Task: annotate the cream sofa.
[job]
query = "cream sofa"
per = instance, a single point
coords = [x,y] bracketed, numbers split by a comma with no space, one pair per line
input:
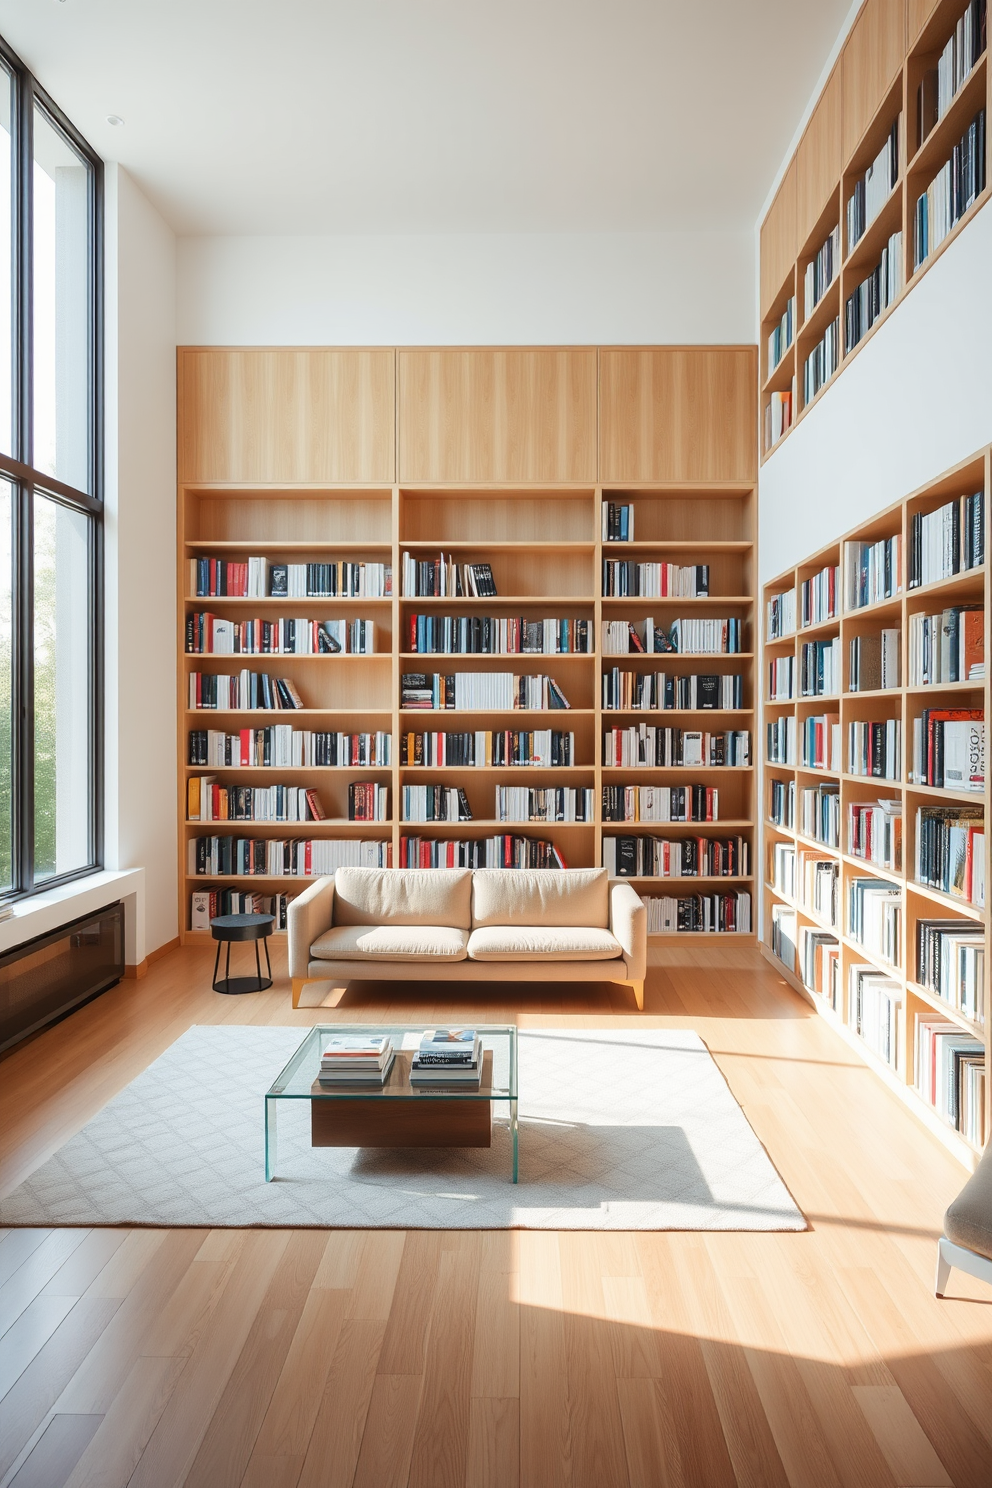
[464,924]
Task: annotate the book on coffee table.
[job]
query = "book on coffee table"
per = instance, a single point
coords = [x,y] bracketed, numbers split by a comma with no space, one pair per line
[448,1056]
[356,1060]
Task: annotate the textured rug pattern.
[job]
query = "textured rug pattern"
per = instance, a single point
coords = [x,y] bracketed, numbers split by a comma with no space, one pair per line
[619,1130]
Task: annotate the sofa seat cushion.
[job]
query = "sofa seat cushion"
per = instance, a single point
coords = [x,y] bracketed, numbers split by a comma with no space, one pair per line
[391,943]
[968,1221]
[542,943]
[540,896]
[403,896]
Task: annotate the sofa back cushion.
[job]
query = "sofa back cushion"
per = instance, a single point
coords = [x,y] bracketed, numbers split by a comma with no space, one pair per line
[403,896]
[540,896]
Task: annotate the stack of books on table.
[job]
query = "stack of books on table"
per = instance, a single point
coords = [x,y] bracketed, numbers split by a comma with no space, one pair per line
[448,1056]
[356,1059]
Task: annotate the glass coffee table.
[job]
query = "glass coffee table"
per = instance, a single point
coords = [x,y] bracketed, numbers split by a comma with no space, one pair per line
[399,1114]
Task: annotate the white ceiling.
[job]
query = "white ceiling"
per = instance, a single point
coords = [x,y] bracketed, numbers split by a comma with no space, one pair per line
[391,116]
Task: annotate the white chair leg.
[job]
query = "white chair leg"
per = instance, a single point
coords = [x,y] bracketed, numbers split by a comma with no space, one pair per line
[962,1259]
[943,1269]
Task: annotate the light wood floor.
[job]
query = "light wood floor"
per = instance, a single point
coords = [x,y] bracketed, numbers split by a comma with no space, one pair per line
[281,1359]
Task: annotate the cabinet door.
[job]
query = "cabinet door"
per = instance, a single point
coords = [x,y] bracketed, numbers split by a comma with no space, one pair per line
[778,240]
[872,56]
[487,414]
[819,159]
[301,415]
[679,413]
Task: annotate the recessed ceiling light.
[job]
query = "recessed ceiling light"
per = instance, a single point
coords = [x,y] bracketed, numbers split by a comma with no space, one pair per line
[114,119]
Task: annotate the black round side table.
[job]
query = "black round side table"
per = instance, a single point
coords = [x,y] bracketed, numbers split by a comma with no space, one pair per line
[228,928]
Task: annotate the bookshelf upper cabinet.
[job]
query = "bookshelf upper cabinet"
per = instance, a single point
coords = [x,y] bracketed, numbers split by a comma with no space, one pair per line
[672,414]
[918,12]
[778,239]
[818,162]
[480,414]
[872,57]
[307,415]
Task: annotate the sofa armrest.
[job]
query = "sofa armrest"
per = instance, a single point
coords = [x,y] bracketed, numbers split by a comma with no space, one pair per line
[629,922]
[308,915]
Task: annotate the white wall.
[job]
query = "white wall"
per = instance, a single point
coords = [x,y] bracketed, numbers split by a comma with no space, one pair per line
[141,550]
[915,401]
[451,290]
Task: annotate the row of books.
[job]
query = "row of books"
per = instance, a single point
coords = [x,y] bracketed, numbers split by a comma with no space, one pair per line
[780,413]
[427,803]
[819,963]
[618,521]
[820,272]
[644,744]
[782,803]
[806,878]
[541,748]
[498,635]
[950,1075]
[947,541]
[949,749]
[780,615]
[875,748]
[210,635]
[272,857]
[280,746]
[451,1057]
[874,917]
[822,362]
[950,962]
[820,668]
[356,1059]
[661,803]
[820,595]
[783,934]
[234,692]
[949,647]
[680,857]
[208,801]
[503,851]
[207,904]
[781,679]
[875,1011]
[780,740]
[707,636]
[950,851]
[872,571]
[873,189]
[874,832]
[257,578]
[782,335]
[368,801]
[873,661]
[819,742]
[624,579]
[516,803]
[480,692]
[441,578]
[819,814]
[695,914]
[876,292]
[955,188]
[662,691]
[939,85]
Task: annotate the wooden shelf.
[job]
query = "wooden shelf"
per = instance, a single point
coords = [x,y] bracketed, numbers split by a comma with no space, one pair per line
[918,901]
[540,527]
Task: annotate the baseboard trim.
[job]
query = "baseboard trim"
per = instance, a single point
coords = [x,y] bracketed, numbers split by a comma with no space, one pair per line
[163,950]
[135,973]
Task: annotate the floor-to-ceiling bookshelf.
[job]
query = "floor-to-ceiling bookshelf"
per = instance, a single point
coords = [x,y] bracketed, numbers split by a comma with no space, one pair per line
[893,47]
[543,540]
[903,701]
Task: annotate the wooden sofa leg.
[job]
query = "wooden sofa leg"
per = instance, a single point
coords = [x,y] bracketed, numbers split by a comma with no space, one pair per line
[298,984]
[638,988]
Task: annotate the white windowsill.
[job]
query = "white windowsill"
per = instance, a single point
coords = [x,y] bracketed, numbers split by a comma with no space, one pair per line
[44,912]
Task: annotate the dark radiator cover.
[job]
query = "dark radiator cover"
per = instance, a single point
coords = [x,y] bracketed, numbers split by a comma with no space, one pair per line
[52,974]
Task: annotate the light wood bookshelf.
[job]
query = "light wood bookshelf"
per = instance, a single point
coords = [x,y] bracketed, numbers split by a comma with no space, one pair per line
[540,530]
[874,82]
[905,702]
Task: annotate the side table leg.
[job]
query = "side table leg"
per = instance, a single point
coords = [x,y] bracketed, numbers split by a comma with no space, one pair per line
[513,1133]
[270,1137]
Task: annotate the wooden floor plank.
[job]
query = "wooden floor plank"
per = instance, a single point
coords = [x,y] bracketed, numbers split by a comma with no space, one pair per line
[85,1264]
[119,1441]
[493,1443]
[35,1272]
[440,1441]
[408,1323]
[64,1441]
[336,1439]
[387,1443]
[912,1459]
[24,1339]
[545,1439]
[289,1420]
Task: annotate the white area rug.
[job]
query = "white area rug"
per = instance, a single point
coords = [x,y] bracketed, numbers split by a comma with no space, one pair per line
[619,1130]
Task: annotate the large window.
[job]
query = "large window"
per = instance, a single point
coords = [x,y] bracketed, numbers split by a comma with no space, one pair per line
[51,516]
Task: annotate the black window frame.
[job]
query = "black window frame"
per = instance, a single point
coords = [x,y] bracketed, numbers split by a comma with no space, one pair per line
[26,481]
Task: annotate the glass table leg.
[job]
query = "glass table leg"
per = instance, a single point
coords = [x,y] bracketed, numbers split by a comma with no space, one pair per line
[270,1137]
[513,1132]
